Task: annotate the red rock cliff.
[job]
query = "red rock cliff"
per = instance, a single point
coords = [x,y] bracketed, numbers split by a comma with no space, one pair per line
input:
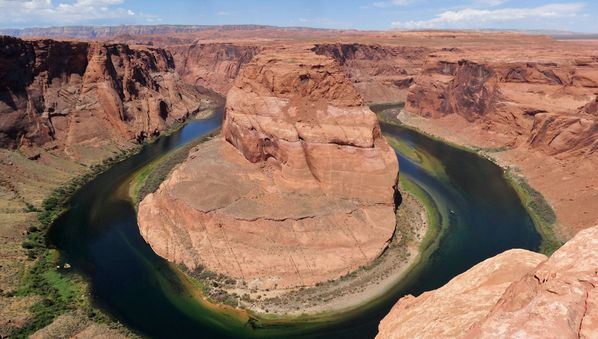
[550,105]
[381,73]
[211,65]
[72,93]
[301,111]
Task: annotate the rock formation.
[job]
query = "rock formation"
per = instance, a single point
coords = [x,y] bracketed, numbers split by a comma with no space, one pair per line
[299,189]
[514,294]
[539,101]
[381,73]
[211,65]
[73,95]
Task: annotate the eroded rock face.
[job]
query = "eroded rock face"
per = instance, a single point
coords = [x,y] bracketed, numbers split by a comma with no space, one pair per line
[68,94]
[381,73]
[514,294]
[551,105]
[211,65]
[299,189]
[310,119]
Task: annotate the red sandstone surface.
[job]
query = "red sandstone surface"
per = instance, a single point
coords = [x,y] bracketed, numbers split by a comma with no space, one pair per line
[528,101]
[76,96]
[212,65]
[515,294]
[299,189]
[65,106]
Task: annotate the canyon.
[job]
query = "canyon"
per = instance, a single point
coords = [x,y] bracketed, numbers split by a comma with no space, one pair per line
[306,182]
[296,131]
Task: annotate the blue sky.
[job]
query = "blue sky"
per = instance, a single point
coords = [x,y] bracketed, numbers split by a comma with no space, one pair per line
[579,16]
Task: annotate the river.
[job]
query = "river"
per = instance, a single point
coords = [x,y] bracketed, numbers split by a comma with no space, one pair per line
[480,212]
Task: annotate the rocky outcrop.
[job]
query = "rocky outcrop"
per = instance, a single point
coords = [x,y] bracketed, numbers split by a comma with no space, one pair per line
[514,294]
[381,73]
[67,95]
[472,92]
[211,65]
[299,189]
[559,133]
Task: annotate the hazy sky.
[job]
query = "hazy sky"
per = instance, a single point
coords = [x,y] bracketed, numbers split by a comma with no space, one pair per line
[579,16]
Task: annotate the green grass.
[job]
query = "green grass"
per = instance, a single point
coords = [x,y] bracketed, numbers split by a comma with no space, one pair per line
[59,293]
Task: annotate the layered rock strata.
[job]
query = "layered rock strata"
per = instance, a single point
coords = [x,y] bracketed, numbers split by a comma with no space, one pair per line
[299,189]
[381,73]
[514,294]
[211,65]
[547,106]
[67,95]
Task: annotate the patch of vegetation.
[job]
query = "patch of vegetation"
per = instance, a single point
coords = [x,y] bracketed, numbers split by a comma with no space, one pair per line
[493,149]
[57,203]
[432,212]
[61,290]
[214,285]
[542,214]
[58,294]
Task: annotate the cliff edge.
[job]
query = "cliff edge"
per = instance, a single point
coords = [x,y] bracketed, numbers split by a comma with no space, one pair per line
[517,293]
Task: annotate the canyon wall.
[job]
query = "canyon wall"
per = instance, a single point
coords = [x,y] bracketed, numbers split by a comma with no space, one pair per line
[381,73]
[74,95]
[528,102]
[532,108]
[546,105]
[298,190]
[517,293]
[211,65]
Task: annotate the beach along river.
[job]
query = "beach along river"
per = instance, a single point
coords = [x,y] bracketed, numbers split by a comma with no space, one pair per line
[477,212]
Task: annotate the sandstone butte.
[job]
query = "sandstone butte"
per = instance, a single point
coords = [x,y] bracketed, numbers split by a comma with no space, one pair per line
[516,294]
[299,188]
